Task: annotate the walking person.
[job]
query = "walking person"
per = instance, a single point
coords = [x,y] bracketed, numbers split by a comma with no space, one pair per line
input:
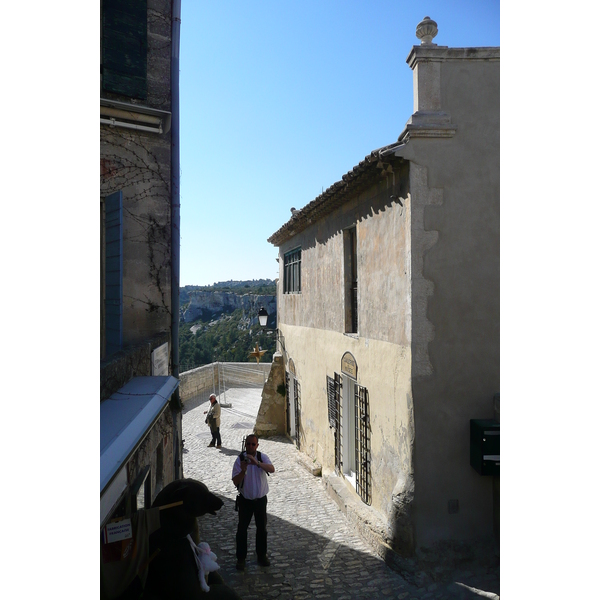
[249,475]
[213,419]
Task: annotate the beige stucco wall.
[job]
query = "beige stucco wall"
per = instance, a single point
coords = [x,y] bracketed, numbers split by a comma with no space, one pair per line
[318,353]
[428,293]
[313,326]
[455,192]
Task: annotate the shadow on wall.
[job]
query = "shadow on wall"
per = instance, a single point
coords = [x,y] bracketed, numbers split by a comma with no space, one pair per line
[379,202]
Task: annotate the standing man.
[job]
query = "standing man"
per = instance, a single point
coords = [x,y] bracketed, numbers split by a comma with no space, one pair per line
[213,418]
[249,475]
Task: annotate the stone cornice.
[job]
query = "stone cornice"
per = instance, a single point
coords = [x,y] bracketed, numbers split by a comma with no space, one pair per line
[432,52]
[428,124]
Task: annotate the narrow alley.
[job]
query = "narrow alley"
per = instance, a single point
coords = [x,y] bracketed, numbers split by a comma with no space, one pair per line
[313,550]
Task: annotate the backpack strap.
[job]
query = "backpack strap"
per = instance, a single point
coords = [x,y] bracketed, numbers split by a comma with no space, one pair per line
[259,457]
[241,456]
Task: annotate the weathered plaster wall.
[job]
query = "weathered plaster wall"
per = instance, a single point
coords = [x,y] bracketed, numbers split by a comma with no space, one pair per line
[384,369]
[455,187]
[313,327]
[383,254]
[428,278]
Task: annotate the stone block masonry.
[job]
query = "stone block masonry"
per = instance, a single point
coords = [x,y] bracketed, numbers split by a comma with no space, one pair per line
[271,414]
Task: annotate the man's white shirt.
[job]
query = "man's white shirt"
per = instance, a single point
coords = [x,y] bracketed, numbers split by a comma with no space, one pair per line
[255,481]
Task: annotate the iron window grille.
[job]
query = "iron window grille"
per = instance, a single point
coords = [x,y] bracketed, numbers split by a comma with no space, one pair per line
[293,399]
[362,426]
[362,433]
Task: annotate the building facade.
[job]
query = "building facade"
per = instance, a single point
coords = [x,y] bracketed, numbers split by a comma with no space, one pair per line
[140,411]
[388,306]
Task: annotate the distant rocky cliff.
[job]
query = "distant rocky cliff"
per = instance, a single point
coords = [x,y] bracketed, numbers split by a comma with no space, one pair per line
[205,305]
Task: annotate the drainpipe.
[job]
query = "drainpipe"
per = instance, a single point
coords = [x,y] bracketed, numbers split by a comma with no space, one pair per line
[175,236]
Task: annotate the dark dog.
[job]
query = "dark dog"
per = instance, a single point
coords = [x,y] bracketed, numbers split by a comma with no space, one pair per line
[180,521]
[172,573]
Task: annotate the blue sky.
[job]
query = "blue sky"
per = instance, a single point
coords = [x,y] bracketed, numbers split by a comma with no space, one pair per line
[279,100]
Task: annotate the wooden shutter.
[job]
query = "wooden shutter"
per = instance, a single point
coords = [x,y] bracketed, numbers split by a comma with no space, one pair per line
[113,272]
[331,402]
[297,410]
[288,421]
[337,410]
[124,47]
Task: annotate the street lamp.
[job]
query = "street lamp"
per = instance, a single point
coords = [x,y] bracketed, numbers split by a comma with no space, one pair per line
[263,316]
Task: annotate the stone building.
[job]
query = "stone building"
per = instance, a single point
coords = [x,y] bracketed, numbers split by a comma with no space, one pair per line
[388,308]
[140,413]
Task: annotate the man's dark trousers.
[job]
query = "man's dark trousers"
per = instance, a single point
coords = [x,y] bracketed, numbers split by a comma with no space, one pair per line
[216,435]
[247,508]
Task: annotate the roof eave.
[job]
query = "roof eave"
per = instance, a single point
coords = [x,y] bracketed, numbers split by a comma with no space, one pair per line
[336,194]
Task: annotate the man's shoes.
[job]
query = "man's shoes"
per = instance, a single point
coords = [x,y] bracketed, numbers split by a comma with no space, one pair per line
[218,445]
[263,561]
[240,565]
[211,445]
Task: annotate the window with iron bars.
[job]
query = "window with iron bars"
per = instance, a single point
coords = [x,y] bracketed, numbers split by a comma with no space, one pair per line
[362,433]
[294,407]
[292,280]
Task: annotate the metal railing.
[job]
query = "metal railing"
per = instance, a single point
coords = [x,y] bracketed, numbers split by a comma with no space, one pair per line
[217,378]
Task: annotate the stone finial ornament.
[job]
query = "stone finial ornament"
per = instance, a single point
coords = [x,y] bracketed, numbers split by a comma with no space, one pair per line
[427,30]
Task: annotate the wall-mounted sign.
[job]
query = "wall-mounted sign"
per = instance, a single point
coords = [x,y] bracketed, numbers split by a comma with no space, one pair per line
[160,360]
[115,532]
[349,366]
[292,367]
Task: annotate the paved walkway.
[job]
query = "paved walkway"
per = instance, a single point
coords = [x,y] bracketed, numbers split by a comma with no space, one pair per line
[313,550]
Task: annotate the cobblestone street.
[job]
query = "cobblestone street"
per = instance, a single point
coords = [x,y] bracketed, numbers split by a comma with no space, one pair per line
[313,550]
